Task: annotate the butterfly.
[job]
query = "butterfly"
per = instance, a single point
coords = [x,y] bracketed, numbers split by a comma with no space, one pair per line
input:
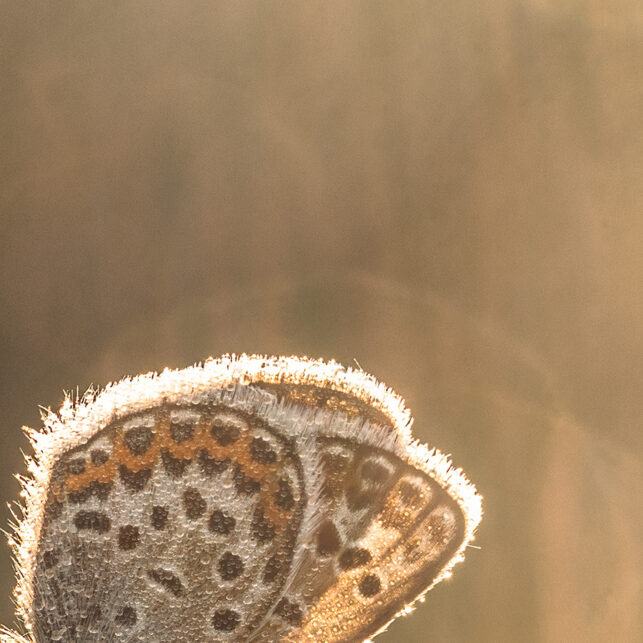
[247,498]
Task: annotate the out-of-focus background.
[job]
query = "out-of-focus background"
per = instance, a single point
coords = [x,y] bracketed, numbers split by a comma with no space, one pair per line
[447,191]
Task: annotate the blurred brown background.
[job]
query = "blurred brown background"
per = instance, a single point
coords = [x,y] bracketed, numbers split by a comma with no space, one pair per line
[447,191]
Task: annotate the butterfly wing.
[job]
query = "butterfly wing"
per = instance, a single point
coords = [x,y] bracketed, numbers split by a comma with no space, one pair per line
[393,519]
[389,532]
[248,499]
[178,523]
[398,530]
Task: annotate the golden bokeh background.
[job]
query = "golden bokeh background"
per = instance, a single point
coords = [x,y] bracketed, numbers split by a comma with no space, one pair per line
[447,191]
